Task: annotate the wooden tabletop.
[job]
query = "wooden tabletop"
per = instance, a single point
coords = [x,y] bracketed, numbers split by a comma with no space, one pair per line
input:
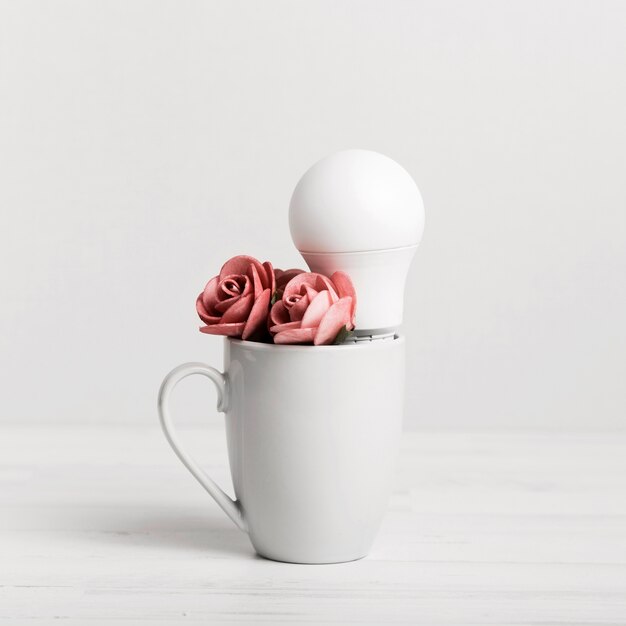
[99,525]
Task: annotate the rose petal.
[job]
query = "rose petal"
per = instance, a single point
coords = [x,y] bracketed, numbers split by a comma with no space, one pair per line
[204,314]
[279,313]
[297,310]
[323,282]
[229,330]
[271,279]
[223,306]
[310,292]
[286,275]
[239,311]
[209,295]
[316,310]
[256,281]
[258,314]
[345,288]
[239,265]
[337,316]
[298,335]
[279,328]
[344,284]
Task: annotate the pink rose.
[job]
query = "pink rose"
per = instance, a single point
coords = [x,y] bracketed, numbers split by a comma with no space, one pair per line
[313,308]
[236,302]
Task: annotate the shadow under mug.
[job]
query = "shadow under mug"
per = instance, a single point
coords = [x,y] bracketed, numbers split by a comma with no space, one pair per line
[312,436]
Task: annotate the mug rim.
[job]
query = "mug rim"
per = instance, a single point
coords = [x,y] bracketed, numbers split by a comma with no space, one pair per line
[398,339]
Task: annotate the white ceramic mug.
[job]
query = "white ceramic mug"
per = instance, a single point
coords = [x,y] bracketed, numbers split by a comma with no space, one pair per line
[312,439]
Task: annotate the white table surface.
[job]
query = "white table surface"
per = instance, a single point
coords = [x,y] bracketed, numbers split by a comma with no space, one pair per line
[99,525]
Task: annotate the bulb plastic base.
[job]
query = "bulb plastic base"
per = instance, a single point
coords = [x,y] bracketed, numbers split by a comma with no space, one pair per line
[379,277]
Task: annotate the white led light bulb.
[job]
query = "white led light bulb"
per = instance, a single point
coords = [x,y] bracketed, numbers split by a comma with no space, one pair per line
[360,212]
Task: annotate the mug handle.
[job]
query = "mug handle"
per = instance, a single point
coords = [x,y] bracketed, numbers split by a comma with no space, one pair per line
[231,507]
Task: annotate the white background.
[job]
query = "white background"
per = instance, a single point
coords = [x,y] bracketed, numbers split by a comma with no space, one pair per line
[143,143]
